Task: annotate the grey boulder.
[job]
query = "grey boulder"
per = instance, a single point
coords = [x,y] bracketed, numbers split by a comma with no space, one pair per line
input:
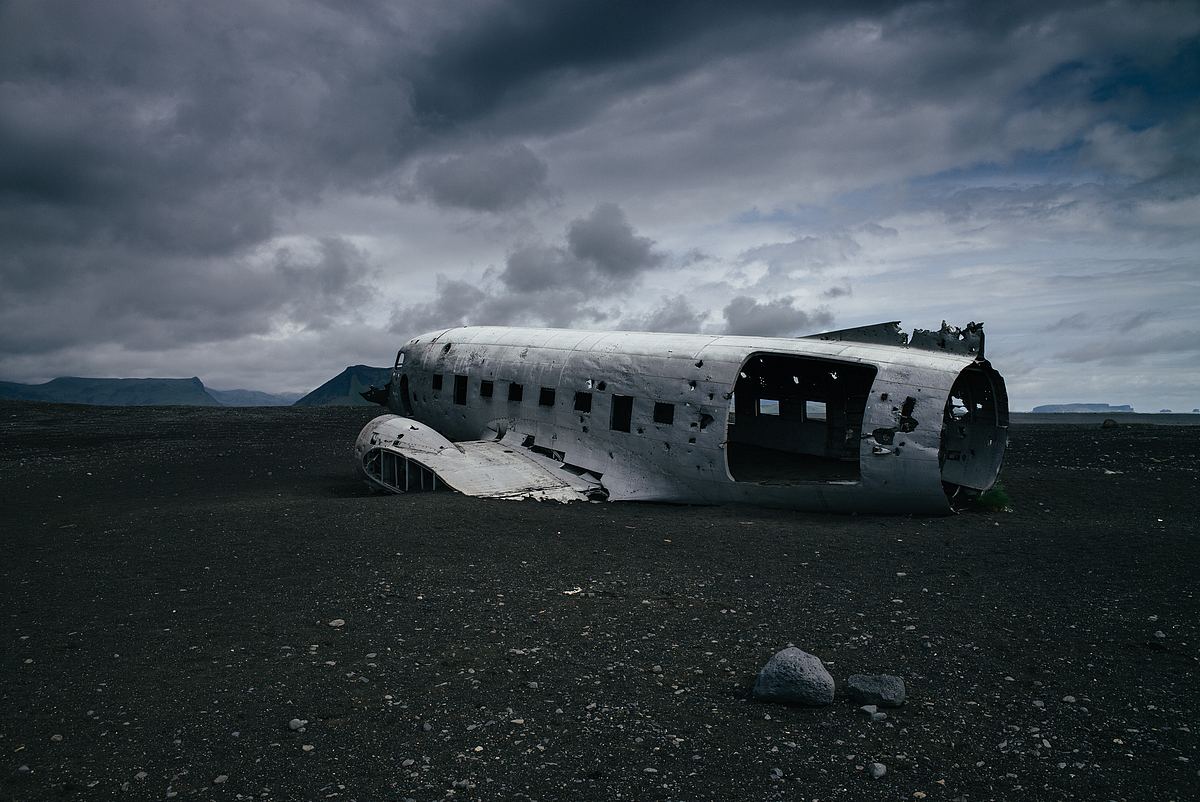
[884,690]
[795,677]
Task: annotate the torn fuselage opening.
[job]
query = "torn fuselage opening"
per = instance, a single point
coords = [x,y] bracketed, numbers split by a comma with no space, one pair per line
[796,419]
[974,430]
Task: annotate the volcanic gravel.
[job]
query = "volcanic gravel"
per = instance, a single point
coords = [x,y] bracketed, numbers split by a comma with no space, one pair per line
[207,603]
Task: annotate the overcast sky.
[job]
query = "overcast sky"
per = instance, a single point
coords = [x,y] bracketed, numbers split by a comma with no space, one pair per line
[263,193]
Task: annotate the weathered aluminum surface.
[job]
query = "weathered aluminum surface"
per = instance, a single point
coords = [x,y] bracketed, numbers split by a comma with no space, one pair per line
[901,451]
[476,468]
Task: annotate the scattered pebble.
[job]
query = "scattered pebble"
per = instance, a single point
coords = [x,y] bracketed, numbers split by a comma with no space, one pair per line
[297,724]
[308,747]
[876,770]
[221,779]
[338,622]
[1069,699]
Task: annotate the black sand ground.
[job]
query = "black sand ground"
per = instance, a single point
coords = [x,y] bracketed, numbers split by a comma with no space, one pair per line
[168,576]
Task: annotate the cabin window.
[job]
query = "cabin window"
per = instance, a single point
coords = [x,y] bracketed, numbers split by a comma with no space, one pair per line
[437,381]
[460,390]
[622,413]
[583,402]
[664,413]
[546,397]
[768,406]
[797,419]
[485,388]
[515,392]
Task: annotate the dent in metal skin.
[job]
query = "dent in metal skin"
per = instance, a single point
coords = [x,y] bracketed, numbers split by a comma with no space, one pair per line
[848,421]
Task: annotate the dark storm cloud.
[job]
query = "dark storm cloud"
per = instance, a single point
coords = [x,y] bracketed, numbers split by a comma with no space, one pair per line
[489,180]
[545,284]
[777,318]
[118,297]
[674,314]
[601,252]
[148,152]
[195,172]
[511,51]
[606,239]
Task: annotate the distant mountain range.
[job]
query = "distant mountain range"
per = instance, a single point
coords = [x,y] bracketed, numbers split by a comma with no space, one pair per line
[253,398]
[1083,408]
[113,392]
[342,390]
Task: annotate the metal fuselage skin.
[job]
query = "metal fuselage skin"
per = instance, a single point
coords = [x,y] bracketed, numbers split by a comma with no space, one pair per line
[900,440]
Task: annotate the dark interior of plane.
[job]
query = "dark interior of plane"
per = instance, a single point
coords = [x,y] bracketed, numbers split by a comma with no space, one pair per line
[797,419]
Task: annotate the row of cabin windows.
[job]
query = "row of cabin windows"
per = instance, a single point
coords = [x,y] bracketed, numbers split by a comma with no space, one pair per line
[621,417]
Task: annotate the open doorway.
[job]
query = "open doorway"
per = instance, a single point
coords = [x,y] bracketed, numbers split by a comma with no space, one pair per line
[795,419]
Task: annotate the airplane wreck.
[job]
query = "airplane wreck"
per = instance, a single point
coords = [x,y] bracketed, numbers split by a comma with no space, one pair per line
[868,419]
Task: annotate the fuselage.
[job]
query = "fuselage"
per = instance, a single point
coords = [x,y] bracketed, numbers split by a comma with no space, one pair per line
[802,423]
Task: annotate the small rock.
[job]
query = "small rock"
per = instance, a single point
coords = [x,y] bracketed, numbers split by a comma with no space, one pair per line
[1158,633]
[56,738]
[408,762]
[877,689]
[656,669]
[338,622]
[869,709]
[297,723]
[220,779]
[880,716]
[23,769]
[794,676]
[308,747]
[427,727]
[876,770]
[1069,699]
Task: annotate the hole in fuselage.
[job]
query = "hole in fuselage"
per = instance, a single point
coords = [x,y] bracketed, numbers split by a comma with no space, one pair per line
[796,419]
[974,430]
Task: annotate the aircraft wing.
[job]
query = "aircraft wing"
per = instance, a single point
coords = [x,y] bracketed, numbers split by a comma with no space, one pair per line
[400,455]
